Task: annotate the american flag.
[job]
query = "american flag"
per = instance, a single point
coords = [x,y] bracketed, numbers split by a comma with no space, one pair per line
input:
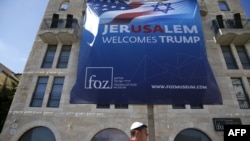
[119,11]
[101,6]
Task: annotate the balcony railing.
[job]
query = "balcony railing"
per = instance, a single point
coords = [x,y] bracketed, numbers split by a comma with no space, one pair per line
[61,32]
[227,31]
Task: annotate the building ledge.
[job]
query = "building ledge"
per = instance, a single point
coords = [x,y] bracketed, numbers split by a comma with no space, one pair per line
[230,34]
[59,34]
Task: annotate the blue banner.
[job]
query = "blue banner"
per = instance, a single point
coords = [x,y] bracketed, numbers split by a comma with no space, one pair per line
[143,53]
[245,4]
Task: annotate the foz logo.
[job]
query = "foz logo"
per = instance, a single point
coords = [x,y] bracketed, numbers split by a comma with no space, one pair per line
[99,78]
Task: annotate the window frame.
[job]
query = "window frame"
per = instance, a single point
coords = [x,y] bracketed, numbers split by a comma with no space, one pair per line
[178,106]
[244,58]
[36,133]
[64,6]
[102,106]
[121,106]
[228,57]
[223,6]
[196,106]
[56,92]
[39,92]
[63,59]
[49,56]
[241,94]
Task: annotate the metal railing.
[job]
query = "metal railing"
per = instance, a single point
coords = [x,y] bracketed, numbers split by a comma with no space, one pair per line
[230,24]
[61,24]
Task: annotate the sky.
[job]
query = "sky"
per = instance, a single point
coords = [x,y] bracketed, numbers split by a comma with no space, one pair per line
[19,23]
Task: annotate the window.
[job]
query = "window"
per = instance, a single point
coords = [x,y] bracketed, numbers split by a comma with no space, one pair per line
[38,95]
[228,56]
[178,106]
[237,21]
[54,22]
[64,57]
[196,106]
[220,21]
[223,6]
[110,134]
[243,57]
[49,56]
[102,106]
[121,106]
[71,22]
[56,92]
[191,135]
[240,93]
[64,6]
[38,134]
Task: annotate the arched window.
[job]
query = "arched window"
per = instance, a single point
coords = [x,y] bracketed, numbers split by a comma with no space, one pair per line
[191,135]
[110,134]
[38,134]
[64,6]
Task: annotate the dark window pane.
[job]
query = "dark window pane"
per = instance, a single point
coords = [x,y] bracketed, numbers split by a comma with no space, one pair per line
[121,106]
[56,92]
[110,135]
[64,57]
[102,106]
[241,95]
[191,135]
[54,21]
[49,56]
[196,106]
[37,98]
[243,57]
[178,106]
[223,6]
[38,134]
[228,56]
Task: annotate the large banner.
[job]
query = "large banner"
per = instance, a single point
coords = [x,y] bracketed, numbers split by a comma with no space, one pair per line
[143,53]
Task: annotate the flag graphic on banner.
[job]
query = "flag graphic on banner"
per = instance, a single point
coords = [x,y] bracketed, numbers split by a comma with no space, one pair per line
[119,11]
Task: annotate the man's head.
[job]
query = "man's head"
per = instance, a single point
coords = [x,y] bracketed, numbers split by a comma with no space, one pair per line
[139,131]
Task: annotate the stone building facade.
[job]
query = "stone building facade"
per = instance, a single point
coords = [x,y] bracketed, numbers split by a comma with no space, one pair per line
[7,77]
[41,104]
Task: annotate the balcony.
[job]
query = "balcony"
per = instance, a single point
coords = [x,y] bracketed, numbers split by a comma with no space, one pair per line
[60,32]
[231,31]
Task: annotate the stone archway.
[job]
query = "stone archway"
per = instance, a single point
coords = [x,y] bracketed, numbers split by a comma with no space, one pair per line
[110,134]
[39,133]
[191,135]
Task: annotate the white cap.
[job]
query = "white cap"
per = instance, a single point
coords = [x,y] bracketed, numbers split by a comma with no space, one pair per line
[136,125]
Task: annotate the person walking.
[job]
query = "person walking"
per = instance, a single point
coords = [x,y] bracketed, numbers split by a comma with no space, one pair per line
[138,131]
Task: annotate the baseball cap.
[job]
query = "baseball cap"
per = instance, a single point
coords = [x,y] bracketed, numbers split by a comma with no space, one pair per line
[137,124]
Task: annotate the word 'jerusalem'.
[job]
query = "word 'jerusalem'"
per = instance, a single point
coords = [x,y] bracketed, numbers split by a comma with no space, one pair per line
[166,34]
[150,29]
